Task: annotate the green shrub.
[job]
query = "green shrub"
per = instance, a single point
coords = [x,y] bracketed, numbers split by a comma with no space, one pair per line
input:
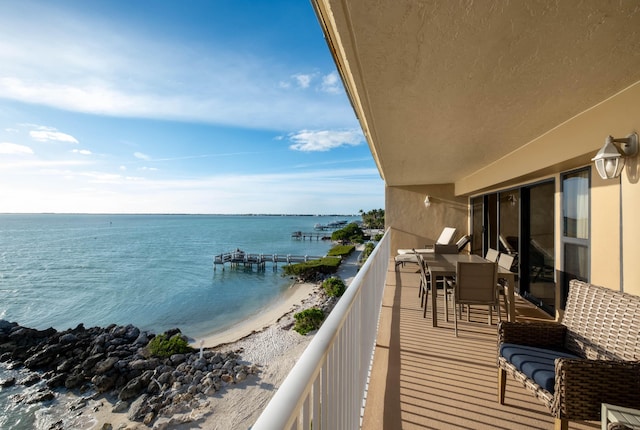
[334,287]
[308,320]
[309,271]
[161,346]
[341,250]
[350,233]
[368,249]
[378,237]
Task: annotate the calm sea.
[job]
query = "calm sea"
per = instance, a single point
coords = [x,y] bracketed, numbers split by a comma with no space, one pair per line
[153,271]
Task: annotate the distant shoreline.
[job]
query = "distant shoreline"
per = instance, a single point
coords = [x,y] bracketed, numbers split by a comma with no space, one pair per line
[175,214]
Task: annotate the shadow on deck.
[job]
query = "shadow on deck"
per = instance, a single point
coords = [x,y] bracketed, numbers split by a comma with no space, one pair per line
[426,378]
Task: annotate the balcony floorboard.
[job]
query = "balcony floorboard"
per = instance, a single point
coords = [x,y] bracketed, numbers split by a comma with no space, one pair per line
[426,378]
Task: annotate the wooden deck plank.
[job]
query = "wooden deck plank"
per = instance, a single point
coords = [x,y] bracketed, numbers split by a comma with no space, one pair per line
[426,378]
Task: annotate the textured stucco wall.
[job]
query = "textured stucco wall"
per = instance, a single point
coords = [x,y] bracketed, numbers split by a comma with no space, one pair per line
[415,225]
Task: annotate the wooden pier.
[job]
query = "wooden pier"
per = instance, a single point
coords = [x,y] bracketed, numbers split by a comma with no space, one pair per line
[317,235]
[241,258]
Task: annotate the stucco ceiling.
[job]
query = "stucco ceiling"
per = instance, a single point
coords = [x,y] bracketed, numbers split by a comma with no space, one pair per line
[442,84]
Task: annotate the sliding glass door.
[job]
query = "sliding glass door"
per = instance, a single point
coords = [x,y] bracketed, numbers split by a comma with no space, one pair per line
[538,283]
[575,228]
[520,222]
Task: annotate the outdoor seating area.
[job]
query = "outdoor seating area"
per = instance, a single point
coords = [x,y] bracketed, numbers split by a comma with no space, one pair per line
[423,377]
[591,358]
[443,269]
[443,245]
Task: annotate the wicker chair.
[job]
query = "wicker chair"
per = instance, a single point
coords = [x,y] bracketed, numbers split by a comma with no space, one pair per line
[592,357]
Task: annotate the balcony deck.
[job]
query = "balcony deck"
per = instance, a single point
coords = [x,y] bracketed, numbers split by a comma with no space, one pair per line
[426,378]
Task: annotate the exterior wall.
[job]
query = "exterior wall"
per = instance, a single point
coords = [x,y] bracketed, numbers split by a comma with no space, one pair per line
[605,231]
[631,226]
[615,204]
[415,225]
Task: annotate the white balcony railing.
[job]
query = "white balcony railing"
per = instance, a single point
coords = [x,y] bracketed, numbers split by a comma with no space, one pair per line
[327,386]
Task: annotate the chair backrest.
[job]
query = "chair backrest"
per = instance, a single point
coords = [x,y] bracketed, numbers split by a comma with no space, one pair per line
[506,245]
[446,237]
[476,282]
[506,261]
[423,268]
[492,255]
[602,323]
[462,242]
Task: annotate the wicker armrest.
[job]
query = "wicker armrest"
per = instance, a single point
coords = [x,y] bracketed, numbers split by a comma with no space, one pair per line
[582,385]
[544,335]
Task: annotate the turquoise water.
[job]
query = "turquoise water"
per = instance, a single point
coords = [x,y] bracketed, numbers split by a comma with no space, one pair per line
[152,271]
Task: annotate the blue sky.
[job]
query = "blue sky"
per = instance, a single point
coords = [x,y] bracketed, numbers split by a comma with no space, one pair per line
[176,107]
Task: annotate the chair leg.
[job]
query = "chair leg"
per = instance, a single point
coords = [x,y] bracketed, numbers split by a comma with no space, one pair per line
[425,296]
[455,313]
[490,314]
[446,303]
[561,424]
[502,385]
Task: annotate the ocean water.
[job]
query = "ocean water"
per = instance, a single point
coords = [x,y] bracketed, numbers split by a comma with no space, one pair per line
[153,271]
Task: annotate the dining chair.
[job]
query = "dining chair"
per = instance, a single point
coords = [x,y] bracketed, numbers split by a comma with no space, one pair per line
[492,255]
[425,284]
[475,284]
[506,262]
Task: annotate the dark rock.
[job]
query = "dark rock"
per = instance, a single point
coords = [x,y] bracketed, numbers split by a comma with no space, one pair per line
[120,406]
[30,379]
[41,396]
[43,358]
[57,380]
[132,389]
[91,362]
[68,338]
[7,382]
[104,383]
[105,365]
[144,364]
[75,380]
[178,359]
[138,408]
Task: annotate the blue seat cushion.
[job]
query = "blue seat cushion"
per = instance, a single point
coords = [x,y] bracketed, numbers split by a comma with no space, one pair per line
[536,363]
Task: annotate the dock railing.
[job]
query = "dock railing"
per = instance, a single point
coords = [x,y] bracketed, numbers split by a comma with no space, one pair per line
[326,388]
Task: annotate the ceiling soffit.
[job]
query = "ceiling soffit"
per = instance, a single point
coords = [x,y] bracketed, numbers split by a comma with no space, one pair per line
[444,88]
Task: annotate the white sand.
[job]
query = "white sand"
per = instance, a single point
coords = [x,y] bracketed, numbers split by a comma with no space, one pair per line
[296,294]
[265,340]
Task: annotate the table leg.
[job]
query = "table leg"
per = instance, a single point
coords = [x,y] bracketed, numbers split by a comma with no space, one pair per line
[434,301]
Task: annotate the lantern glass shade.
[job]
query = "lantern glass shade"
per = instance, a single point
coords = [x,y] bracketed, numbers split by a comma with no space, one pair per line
[608,161]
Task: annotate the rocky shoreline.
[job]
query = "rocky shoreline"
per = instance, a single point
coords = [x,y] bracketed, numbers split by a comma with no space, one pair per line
[115,360]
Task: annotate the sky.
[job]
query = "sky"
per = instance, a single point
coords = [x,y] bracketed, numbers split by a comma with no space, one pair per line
[163,106]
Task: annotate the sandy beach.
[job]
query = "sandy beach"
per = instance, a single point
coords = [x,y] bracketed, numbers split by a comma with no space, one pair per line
[292,299]
[265,340]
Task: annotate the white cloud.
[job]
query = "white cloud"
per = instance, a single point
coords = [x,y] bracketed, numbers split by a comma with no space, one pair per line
[324,140]
[331,83]
[141,156]
[149,169]
[8,148]
[81,151]
[303,80]
[109,70]
[52,135]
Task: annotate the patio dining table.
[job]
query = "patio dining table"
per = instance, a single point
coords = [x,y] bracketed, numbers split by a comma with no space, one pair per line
[444,265]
